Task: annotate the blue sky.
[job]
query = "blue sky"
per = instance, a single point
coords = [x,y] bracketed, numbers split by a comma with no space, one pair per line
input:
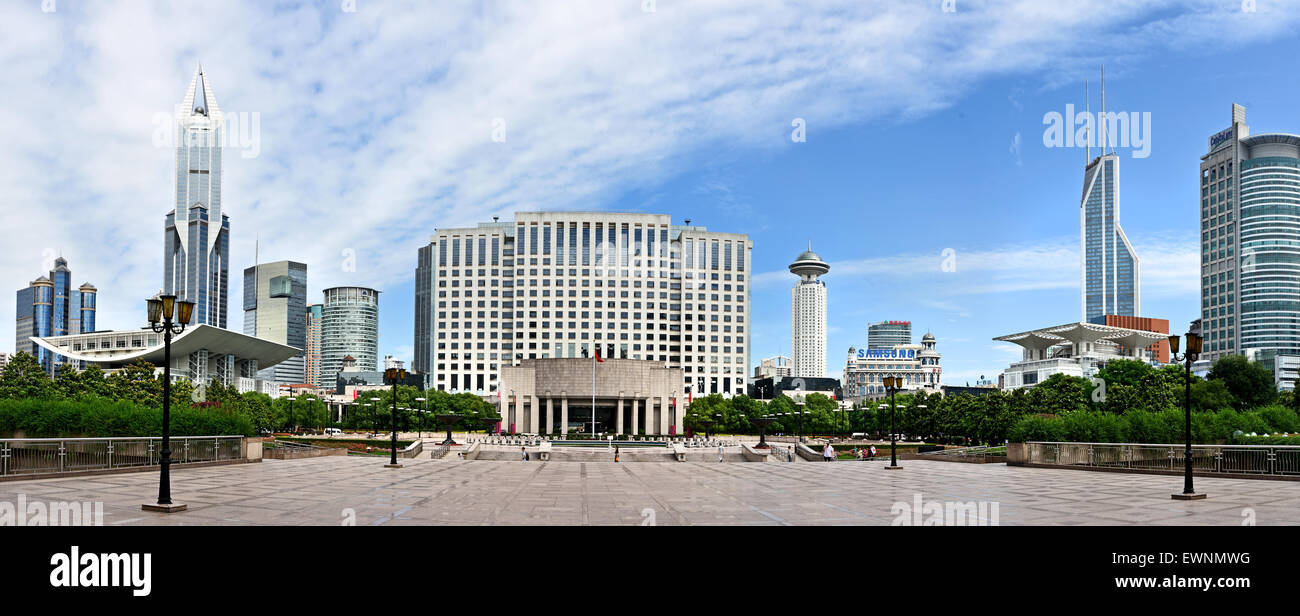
[375,127]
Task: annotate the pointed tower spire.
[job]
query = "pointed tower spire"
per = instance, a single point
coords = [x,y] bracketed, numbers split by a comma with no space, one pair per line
[200,95]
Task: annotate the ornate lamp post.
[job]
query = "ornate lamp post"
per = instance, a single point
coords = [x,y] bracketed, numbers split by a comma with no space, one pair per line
[161,309]
[394,376]
[762,423]
[374,414]
[1193,352]
[892,385]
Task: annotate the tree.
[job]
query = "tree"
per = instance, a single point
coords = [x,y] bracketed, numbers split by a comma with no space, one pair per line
[25,378]
[137,384]
[1250,383]
[1128,372]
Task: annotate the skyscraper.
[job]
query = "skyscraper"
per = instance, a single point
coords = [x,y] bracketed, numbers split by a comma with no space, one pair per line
[275,309]
[808,315]
[887,334]
[311,353]
[197,232]
[51,307]
[1109,267]
[349,327]
[1250,264]
[556,284]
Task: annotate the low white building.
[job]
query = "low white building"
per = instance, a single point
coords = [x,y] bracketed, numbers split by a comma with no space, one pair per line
[199,354]
[1075,349]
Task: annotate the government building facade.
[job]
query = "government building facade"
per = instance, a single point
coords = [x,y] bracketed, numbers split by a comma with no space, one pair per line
[559,285]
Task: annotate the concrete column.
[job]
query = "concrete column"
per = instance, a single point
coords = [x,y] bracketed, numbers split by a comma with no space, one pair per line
[635,418]
[516,417]
[534,414]
[564,415]
[618,417]
[550,415]
[663,415]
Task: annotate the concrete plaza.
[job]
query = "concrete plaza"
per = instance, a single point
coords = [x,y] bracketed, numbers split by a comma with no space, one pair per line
[336,490]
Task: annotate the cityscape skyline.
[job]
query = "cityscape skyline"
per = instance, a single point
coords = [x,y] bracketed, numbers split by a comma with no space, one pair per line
[1020,248]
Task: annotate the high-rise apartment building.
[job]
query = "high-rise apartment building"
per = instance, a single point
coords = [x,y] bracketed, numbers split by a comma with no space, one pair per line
[1250,244]
[556,284]
[196,236]
[808,315]
[50,306]
[349,327]
[275,309]
[311,352]
[889,334]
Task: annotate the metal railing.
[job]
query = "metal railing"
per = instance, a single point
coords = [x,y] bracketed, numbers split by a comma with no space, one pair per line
[37,456]
[981,451]
[1206,459]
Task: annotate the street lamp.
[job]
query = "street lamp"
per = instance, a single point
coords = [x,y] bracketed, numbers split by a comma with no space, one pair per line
[161,309]
[1193,352]
[374,418]
[892,385]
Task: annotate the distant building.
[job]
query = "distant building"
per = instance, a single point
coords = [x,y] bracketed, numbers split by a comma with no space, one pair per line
[196,233]
[50,306]
[4,360]
[275,309]
[1250,271]
[808,315]
[795,387]
[974,390]
[554,396]
[349,327]
[551,285]
[230,358]
[774,367]
[392,363]
[1076,349]
[1160,350]
[889,334]
[311,352]
[918,366]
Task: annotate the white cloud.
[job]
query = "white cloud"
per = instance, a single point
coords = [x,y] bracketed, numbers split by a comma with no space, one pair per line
[376,124]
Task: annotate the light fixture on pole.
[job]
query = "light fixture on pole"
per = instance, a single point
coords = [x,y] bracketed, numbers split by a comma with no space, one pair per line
[892,385]
[1193,352]
[160,311]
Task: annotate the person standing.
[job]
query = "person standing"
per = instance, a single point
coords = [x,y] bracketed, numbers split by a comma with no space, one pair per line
[523,454]
[789,454]
[828,453]
[616,453]
[719,452]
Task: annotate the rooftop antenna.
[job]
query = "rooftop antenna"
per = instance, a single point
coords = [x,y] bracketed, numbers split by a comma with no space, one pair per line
[1103,110]
[688,222]
[494,218]
[1087,112]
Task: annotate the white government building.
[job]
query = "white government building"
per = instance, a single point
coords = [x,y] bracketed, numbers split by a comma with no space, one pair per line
[551,285]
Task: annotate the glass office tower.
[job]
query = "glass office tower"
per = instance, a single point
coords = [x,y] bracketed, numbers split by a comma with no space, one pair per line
[1111,276]
[197,232]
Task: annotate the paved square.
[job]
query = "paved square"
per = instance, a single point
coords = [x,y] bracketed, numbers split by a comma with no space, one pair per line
[326,491]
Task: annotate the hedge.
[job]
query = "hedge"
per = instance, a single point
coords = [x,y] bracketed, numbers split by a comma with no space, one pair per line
[1147,427]
[36,418]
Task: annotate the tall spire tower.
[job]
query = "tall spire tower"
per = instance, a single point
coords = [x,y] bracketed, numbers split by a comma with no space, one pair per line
[197,232]
[1110,272]
[808,316]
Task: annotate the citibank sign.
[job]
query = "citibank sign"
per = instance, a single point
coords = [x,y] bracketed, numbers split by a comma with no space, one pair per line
[1221,138]
[886,353]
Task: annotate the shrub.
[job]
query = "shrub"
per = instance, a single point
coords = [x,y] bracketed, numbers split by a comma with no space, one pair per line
[1280,418]
[96,417]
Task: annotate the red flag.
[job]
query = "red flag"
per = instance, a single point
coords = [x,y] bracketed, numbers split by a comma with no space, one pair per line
[598,354]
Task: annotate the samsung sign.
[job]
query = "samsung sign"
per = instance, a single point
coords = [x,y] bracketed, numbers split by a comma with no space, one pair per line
[886,353]
[1222,138]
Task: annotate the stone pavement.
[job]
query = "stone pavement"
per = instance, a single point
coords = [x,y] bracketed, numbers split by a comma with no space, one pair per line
[333,490]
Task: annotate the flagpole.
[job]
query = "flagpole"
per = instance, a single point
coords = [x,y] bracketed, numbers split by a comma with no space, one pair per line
[593,393]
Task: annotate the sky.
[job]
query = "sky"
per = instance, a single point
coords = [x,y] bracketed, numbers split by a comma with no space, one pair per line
[904,139]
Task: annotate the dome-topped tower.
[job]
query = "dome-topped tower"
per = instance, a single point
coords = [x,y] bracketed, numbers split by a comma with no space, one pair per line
[808,315]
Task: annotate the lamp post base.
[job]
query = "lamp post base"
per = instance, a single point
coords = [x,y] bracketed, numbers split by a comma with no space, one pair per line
[392,466]
[1181,496]
[172,508]
[893,468]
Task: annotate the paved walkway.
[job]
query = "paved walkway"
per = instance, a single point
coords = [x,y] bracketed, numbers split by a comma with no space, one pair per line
[333,490]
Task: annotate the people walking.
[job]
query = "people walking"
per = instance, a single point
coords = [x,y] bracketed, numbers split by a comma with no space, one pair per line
[616,453]
[873,452]
[719,453]
[828,453]
[789,453]
[524,453]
